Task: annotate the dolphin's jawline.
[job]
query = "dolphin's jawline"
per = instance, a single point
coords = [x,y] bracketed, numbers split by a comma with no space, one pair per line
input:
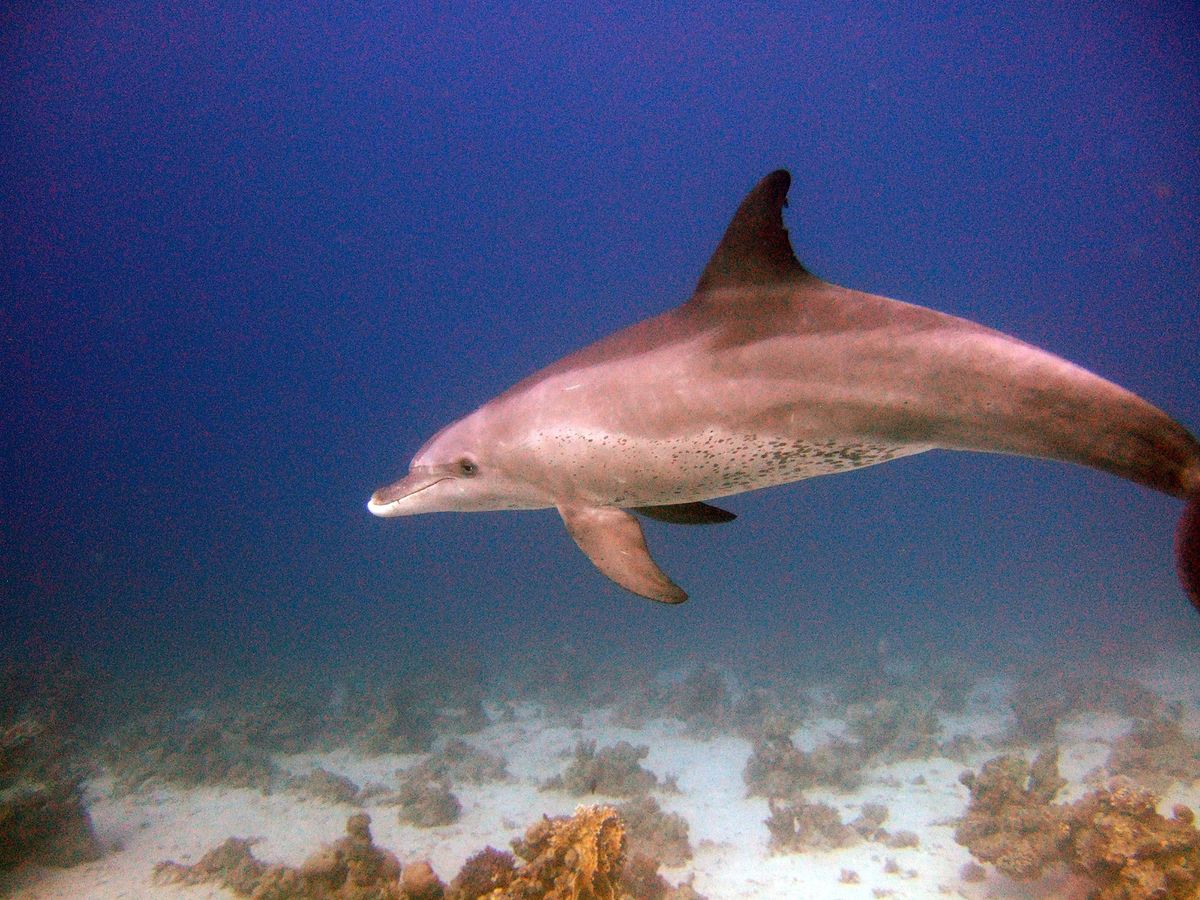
[382,509]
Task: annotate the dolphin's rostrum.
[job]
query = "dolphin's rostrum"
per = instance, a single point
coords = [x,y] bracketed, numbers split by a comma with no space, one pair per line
[768,375]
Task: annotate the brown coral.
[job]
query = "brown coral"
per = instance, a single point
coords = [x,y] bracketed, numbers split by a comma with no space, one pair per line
[613,771]
[487,873]
[425,799]
[801,825]
[1011,821]
[777,769]
[654,833]
[352,868]
[1045,697]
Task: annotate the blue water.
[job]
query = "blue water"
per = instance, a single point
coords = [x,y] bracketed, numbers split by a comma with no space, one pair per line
[253,258]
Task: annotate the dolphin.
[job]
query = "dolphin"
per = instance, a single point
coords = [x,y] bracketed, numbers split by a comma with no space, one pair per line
[768,375]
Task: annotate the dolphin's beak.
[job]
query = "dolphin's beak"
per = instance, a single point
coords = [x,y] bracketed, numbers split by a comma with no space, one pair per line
[394,500]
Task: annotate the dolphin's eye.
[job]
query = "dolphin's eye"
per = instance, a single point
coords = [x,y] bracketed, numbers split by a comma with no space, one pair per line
[467,467]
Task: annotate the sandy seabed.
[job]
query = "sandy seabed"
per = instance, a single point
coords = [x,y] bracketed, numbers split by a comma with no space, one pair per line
[727,828]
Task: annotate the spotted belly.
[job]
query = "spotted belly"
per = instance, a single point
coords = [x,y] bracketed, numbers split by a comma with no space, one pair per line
[631,471]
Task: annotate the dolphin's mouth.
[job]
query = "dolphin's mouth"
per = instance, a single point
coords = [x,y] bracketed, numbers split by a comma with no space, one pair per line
[385,501]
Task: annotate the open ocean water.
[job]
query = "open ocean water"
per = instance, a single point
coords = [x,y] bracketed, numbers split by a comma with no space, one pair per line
[252,257]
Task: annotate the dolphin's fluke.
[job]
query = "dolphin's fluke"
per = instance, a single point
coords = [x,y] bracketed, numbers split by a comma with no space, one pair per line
[1187,548]
[613,541]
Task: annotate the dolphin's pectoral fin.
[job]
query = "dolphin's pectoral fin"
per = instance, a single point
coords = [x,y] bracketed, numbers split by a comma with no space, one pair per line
[687,513]
[613,541]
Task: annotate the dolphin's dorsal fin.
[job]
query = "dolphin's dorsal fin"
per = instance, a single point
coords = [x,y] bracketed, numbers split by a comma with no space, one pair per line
[755,249]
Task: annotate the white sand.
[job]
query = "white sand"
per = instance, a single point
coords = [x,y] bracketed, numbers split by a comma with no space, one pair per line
[727,828]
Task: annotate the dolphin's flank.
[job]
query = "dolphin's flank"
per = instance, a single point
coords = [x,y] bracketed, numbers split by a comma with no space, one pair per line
[767,375]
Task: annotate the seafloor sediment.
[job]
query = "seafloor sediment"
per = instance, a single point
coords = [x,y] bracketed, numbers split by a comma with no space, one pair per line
[907,778]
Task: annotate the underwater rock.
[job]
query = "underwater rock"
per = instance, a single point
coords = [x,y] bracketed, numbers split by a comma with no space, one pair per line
[352,868]
[1011,820]
[1155,753]
[654,833]
[613,771]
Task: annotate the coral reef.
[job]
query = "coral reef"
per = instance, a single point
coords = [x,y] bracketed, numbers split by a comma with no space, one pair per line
[640,881]
[798,825]
[1113,837]
[1156,752]
[761,711]
[44,822]
[703,702]
[896,727]
[425,799]
[651,832]
[187,751]
[575,858]
[1121,842]
[1044,697]
[613,771]
[884,730]
[280,715]
[394,719]
[777,769]
[328,787]
[1011,821]
[485,874]
[579,857]
[352,868]
[45,705]
[460,761]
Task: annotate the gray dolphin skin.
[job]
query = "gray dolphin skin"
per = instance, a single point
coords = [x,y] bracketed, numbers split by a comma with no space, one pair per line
[767,375]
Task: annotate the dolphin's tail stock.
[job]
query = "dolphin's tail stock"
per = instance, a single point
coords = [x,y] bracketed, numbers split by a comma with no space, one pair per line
[1187,547]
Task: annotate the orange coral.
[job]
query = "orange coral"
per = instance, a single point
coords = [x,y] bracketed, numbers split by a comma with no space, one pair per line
[1131,851]
[576,858]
